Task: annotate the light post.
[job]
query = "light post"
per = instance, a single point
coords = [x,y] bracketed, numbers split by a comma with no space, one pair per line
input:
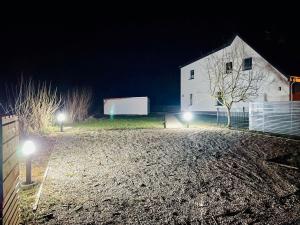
[28,149]
[187,116]
[61,117]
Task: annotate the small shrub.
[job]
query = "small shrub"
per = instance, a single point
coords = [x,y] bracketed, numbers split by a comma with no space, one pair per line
[77,104]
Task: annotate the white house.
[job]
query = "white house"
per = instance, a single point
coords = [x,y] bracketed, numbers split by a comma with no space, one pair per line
[195,85]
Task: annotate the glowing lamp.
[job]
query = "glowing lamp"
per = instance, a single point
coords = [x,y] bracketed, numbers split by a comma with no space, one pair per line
[188,116]
[61,117]
[28,148]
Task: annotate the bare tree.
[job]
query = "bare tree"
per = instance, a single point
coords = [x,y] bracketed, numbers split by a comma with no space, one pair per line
[77,104]
[229,81]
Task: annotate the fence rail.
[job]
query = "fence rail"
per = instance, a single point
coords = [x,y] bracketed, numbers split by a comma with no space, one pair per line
[275,117]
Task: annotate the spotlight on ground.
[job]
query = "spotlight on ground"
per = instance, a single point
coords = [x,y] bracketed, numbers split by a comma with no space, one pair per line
[187,116]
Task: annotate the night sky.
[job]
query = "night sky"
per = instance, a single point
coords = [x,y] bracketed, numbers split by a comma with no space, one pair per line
[136,54]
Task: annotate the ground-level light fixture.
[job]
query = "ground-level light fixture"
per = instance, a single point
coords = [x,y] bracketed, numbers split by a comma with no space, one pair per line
[61,117]
[28,149]
[187,116]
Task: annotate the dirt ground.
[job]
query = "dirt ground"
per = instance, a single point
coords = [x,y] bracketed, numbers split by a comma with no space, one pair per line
[175,176]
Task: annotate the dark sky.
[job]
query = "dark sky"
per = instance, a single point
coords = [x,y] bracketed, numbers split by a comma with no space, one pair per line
[136,54]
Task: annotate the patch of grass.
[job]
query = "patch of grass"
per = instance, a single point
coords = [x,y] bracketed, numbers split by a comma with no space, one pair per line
[27,198]
[122,122]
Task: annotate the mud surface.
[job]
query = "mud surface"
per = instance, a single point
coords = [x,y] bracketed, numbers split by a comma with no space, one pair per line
[184,176]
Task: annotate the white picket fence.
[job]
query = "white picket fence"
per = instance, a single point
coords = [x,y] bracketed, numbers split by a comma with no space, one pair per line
[275,117]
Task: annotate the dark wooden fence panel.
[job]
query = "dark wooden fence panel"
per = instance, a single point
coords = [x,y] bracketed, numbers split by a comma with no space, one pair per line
[9,170]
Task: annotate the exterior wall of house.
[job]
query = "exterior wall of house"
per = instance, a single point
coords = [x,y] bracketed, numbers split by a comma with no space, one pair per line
[199,87]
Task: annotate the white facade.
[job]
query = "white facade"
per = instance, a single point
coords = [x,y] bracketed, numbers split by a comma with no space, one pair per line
[126,106]
[195,93]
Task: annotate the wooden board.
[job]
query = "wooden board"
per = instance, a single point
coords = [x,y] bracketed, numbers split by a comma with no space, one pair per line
[10,194]
[10,164]
[9,131]
[11,213]
[10,210]
[9,170]
[9,181]
[9,148]
[16,220]
[8,119]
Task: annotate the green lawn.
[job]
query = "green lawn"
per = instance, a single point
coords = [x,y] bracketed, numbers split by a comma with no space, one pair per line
[122,122]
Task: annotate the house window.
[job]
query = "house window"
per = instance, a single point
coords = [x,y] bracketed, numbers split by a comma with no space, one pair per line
[247,64]
[228,67]
[219,101]
[279,88]
[192,73]
[191,99]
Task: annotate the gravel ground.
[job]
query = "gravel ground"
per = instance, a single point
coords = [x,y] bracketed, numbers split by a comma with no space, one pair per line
[176,176]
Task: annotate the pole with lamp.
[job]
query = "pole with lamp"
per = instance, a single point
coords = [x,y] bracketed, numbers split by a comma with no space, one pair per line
[61,117]
[28,149]
[187,116]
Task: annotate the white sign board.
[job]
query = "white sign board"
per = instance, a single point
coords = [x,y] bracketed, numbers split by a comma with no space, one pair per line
[126,106]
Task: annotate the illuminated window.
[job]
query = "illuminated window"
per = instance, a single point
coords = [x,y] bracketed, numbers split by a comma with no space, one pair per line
[228,67]
[247,64]
[192,73]
[191,99]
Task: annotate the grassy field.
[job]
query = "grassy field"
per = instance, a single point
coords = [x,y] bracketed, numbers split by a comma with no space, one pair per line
[122,122]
